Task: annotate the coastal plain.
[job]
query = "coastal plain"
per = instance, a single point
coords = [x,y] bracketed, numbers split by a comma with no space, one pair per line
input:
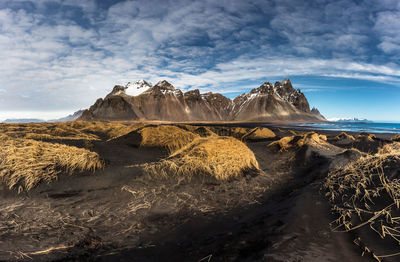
[187,192]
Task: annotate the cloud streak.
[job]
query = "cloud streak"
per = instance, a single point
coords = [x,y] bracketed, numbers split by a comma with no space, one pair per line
[62,55]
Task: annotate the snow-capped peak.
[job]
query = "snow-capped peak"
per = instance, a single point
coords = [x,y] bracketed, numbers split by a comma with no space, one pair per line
[137,88]
[349,119]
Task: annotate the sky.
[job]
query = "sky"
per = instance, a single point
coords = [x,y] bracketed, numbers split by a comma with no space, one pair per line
[60,56]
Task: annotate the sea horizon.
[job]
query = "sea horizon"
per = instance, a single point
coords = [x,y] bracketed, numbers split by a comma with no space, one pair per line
[368,127]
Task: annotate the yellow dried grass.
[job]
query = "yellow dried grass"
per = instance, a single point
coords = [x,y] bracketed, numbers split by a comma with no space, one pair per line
[310,138]
[239,132]
[259,133]
[202,131]
[396,138]
[68,130]
[26,162]
[220,157]
[366,137]
[364,198]
[343,136]
[170,137]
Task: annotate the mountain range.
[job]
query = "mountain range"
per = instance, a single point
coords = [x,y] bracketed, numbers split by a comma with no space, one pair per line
[71,117]
[350,120]
[143,101]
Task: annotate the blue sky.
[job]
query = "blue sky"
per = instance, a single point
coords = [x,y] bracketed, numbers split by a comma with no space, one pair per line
[60,56]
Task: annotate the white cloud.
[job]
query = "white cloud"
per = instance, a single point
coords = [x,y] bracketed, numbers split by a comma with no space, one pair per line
[50,62]
[387,27]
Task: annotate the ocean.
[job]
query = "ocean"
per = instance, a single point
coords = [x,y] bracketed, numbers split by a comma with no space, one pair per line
[368,127]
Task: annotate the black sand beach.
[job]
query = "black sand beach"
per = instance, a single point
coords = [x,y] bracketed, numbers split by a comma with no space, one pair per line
[121,214]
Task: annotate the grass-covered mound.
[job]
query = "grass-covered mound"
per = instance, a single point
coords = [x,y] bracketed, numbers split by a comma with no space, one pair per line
[202,131]
[365,195]
[366,137]
[68,130]
[220,157]
[170,137]
[26,162]
[239,132]
[258,133]
[45,131]
[396,138]
[295,142]
[344,136]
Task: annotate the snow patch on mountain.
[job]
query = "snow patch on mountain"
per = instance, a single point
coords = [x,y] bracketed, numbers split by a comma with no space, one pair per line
[350,119]
[137,88]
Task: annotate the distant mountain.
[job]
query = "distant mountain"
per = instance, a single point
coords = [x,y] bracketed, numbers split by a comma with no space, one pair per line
[352,120]
[316,112]
[141,101]
[72,117]
[23,120]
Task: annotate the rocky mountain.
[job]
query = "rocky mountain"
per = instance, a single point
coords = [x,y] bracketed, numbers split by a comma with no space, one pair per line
[132,88]
[350,120]
[141,101]
[71,117]
[316,112]
[23,120]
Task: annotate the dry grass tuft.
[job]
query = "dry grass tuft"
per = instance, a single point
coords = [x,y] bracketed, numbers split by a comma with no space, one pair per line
[284,143]
[68,130]
[203,131]
[239,132]
[170,137]
[259,133]
[366,137]
[396,138]
[26,162]
[366,196]
[220,157]
[344,136]
[294,142]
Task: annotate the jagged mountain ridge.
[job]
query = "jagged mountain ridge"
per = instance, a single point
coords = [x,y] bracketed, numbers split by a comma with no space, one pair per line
[165,102]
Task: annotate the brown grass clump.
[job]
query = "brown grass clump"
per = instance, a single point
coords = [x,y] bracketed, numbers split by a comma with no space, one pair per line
[344,136]
[170,137]
[219,157]
[26,162]
[239,132]
[284,143]
[202,131]
[259,133]
[68,130]
[101,129]
[44,131]
[366,137]
[396,138]
[294,142]
[366,196]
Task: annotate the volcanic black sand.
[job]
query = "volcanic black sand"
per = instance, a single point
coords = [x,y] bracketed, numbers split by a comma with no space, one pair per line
[120,214]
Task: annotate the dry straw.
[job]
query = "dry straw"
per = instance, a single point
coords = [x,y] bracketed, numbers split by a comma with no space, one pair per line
[344,136]
[294,142]
[170,137]
[396,138]
[366,137]
[220,157]
[365,198]
[258,133]
[68,130]
[26,162]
